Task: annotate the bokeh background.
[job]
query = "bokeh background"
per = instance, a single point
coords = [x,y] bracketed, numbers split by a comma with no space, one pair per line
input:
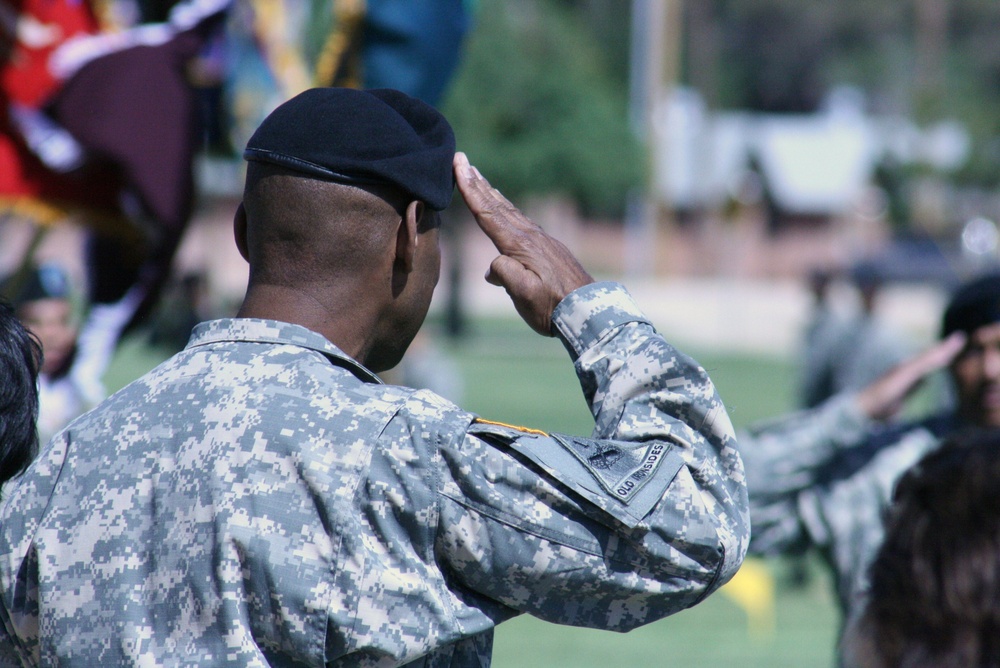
[711,154]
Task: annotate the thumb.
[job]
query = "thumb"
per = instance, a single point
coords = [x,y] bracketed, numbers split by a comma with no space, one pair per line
[508,273]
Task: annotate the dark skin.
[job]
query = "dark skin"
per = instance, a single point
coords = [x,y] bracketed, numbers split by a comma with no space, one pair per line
[359,264]
[536,270]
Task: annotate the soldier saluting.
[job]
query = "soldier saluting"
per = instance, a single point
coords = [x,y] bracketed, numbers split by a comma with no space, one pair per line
[261,498]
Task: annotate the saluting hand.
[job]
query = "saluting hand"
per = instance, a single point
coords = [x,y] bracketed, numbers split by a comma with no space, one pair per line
[537,270]
[885,396]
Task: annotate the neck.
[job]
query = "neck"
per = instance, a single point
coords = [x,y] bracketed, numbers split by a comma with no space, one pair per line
[344,321]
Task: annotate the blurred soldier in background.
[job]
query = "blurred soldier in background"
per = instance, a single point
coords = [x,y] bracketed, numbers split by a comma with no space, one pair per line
[823,478]
[847,352]
[823,330]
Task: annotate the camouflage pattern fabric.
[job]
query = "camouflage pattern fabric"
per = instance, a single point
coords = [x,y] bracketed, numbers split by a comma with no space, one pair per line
[262,499]
[825,478]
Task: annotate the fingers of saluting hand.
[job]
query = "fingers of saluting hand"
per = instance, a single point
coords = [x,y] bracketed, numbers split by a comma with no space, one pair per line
[536,270]
[942,354]
[931,359]
[884,396]
[500,219]
[515,235]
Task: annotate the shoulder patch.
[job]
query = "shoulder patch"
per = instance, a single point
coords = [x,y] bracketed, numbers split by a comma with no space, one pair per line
[621,468]
[626,479]
[523,430]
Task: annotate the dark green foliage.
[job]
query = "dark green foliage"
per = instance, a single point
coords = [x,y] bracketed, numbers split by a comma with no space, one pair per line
[537,111]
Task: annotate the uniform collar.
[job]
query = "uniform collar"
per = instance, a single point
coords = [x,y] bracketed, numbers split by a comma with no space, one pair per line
[255,330]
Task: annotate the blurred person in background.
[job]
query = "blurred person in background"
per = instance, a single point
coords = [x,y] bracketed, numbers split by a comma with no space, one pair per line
[821,341]
[822,478]
[842,352]
[934,598]
[44,304]
[870,346]
[824,328]
[98,125]
[20,357]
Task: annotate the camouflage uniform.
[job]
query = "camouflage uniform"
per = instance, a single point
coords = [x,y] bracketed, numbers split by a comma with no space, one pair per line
[261,498]
[824,478]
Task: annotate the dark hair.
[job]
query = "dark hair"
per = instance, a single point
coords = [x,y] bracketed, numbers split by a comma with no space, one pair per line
[935,583]
[20,359]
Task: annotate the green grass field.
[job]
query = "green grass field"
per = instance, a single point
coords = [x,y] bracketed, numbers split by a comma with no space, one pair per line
[512,375]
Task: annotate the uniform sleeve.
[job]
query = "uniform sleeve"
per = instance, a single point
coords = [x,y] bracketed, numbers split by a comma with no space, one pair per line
[642,519]
[787,456]
[8,656]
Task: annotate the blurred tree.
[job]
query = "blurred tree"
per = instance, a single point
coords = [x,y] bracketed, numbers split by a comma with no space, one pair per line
[783,55]
[537,107]
[540,102]
[610,22]
[972,84]
[928,60]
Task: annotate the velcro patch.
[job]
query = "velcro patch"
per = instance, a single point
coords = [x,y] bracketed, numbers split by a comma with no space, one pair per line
[621,468]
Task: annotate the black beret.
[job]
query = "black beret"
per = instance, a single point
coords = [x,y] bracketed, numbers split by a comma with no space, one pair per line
[357,137]
[973,305]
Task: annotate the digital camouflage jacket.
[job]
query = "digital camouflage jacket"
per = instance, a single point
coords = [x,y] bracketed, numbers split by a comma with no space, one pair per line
[262,499]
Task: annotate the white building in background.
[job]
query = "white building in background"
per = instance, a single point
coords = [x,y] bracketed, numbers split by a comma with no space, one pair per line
[815,165]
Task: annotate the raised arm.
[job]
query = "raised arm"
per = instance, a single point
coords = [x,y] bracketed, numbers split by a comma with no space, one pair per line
[788,455]
[642,519]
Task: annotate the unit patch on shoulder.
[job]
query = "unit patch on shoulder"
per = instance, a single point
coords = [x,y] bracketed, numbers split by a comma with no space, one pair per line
[523,430]
[622,468]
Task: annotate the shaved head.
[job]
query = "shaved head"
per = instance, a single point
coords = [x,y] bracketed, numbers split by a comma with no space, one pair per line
[303,230]
[356,263]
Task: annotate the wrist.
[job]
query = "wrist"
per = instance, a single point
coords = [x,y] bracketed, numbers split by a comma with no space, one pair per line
[588,313]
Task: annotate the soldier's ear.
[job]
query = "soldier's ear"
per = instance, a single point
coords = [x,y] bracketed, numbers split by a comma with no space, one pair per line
[406,235]
[240,231]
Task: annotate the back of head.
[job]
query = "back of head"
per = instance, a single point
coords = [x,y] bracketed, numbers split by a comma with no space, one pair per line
[301,230]
[935,583]
[327,166]
[20,358]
